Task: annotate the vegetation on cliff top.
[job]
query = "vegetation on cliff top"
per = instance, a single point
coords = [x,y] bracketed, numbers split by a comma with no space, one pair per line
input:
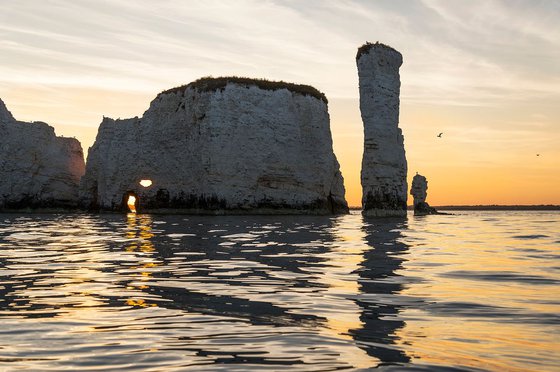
[210,84]
[367,46]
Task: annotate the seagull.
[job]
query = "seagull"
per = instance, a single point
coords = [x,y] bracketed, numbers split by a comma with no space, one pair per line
[439,135]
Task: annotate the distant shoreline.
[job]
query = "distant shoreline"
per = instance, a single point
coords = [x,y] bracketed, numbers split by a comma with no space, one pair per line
[547,207]
[543,207]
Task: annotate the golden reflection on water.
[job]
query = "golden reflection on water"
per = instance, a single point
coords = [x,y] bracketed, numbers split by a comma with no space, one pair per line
[342,281]
[470,269]
[139,231]
[340,292]
[437,340]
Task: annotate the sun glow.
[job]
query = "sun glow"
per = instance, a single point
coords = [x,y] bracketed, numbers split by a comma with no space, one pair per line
[146,183]
[131,202]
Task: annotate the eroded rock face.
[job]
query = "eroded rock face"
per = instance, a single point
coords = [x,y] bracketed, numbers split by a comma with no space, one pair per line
[37,168]
[232,147]
[419,191]
[384,162]
[5,115]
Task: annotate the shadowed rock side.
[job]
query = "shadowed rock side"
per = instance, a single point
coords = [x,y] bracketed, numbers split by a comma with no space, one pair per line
[232,147]
[419,191]
[384,163]
[37,168]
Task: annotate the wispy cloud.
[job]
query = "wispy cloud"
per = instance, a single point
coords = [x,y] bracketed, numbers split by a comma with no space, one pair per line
[484,71]
[455,51]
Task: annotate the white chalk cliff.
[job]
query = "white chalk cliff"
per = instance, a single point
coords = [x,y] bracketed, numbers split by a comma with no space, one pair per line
[384,162]
[419,191]
[225,145]
[37,168]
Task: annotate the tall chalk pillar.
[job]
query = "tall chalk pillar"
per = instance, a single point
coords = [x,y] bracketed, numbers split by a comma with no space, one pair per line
[384,162]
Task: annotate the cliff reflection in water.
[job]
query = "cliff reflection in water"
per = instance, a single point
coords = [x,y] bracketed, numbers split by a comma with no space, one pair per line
[293,266]
[232,270]
[279,292]
[379,284]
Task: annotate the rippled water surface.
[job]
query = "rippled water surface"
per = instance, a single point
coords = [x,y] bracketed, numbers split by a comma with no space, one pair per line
[472,291]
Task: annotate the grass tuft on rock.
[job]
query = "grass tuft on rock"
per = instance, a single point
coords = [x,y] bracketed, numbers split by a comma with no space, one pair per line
[211,84]
[367,46]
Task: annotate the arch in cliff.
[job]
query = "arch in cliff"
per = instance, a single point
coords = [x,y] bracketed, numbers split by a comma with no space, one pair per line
[130,202]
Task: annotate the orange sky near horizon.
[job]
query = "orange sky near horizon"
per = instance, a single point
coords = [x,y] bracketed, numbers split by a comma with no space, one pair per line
[467,166]
[485,73]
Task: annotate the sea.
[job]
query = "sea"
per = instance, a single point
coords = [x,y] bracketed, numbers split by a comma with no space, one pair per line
[471,291]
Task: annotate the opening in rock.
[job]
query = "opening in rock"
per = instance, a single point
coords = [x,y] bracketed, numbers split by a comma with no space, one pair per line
[146,183]
[131,202]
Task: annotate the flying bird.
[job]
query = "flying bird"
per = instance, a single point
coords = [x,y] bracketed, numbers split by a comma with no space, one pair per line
[439,135]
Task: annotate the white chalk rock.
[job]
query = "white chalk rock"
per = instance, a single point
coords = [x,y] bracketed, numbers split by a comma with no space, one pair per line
[37,168]
[226,145]
[419,189]
[384,162]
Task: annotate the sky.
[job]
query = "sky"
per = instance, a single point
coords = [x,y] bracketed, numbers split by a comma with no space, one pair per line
[485,73]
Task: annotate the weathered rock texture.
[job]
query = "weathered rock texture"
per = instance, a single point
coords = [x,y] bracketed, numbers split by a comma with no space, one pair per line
[226,145]
[384,162]
[37,168]
[419,191]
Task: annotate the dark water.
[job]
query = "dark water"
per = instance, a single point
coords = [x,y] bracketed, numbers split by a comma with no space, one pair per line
[473,291]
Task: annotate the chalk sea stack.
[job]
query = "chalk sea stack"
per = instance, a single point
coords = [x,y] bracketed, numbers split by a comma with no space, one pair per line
[384,162]
[37,168]
[220,145]
[419,191]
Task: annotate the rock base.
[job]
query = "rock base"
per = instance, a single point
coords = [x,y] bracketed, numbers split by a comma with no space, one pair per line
[423,209]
